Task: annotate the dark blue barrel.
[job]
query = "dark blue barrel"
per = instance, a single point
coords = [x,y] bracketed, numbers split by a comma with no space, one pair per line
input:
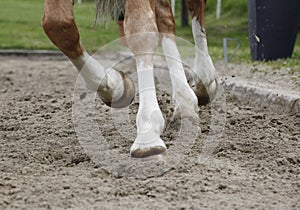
[273,27]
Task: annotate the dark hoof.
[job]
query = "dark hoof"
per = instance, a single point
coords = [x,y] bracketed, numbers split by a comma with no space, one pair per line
[148,153]
[201,93]
[128,95]
[203,96]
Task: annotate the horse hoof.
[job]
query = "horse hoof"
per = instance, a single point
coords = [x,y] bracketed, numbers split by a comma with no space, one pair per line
[205,95]
[183,112]
[128,94]
[148,153]
[159,157]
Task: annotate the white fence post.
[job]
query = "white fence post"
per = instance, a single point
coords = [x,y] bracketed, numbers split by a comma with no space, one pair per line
[218,12]
[173,7]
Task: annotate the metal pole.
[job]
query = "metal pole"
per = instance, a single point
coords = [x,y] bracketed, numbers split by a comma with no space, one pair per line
[225,48]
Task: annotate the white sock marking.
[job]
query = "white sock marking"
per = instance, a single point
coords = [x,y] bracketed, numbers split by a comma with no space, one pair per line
[203,65]
[150,121]
[95,75]
[182,93]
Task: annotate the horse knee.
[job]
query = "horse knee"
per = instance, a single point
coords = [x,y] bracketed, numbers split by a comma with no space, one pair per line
[63,32]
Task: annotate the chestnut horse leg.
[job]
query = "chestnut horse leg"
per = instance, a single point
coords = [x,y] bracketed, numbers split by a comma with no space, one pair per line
[186,102]
[142,38]
[59,25]
[205,79]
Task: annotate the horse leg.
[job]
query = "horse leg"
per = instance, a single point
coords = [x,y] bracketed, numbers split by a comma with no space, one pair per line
[186,102]
[205,79]
[59,25]
[142,38]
